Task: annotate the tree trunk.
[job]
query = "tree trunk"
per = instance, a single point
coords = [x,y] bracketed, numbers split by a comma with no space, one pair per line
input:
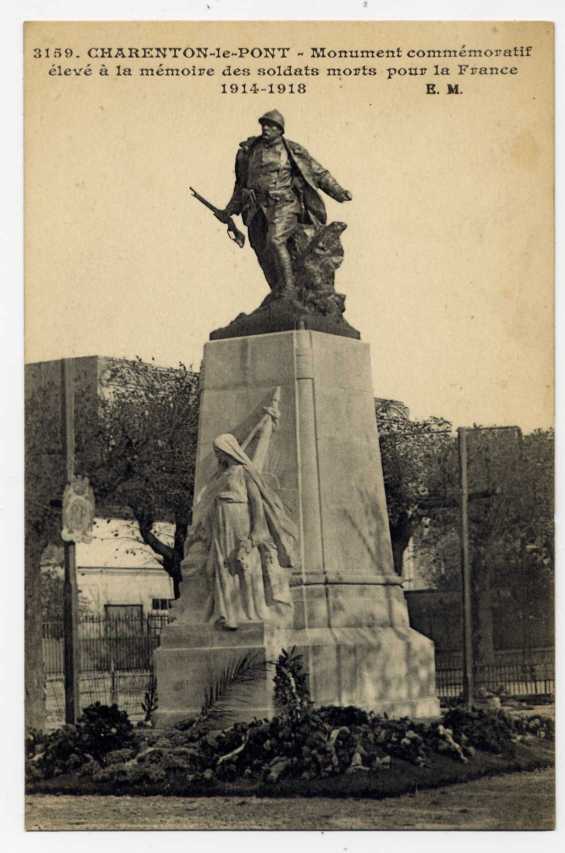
[400,535]
[35,708]
[172,567]
[171,556]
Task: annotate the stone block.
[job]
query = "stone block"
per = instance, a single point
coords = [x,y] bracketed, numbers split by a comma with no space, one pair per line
[384,669]
[349,614]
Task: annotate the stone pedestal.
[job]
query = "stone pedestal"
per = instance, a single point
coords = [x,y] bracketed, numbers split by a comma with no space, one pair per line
[349,617]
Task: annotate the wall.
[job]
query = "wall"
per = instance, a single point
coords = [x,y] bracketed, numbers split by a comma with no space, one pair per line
[438,615]
[101,586]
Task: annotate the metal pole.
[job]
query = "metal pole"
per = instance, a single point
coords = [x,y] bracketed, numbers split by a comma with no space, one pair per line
[466,571]
[70,592]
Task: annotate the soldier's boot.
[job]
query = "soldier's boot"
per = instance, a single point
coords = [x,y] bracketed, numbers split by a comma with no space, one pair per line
[283,265]
[267,264]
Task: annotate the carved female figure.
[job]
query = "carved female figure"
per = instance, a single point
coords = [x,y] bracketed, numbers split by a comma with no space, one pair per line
[247,540]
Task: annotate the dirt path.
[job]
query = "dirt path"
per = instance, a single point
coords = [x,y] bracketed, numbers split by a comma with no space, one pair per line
[513,801]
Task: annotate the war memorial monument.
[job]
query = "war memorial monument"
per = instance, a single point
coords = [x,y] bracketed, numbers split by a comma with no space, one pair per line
[290,543]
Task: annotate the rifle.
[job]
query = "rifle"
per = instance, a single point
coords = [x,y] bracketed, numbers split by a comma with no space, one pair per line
[233,231]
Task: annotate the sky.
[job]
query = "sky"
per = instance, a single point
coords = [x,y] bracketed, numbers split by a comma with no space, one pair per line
[448,268]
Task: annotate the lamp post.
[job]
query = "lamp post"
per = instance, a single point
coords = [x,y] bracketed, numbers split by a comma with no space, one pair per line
[468,686]
[466,567]
[70,592]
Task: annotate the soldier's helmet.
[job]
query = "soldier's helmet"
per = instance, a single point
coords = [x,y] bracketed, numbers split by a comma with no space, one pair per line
[274,117]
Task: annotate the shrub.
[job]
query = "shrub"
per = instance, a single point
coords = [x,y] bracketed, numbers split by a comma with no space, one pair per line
[61,749]
[88,769]
[34,742]
[346,716]
[542,727]
[103,729]
[137,775]
[119,756]
[100,732]
[490,731]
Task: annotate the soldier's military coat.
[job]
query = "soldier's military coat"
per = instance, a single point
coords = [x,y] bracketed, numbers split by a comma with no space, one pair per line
[308,177]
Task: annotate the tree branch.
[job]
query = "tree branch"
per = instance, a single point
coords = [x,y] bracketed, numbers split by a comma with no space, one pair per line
[145,524]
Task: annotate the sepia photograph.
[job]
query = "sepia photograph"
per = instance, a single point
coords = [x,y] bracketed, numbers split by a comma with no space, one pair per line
[289,424]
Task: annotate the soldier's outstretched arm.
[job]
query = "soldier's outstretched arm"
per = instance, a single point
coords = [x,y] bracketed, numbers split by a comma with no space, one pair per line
[327,183]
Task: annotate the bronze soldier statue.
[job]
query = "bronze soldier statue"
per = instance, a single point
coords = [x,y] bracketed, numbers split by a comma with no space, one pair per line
[276,189]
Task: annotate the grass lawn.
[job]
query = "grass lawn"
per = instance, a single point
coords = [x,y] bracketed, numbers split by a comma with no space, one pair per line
[510,801]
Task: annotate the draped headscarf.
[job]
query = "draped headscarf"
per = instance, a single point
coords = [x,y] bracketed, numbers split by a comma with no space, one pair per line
[281,527]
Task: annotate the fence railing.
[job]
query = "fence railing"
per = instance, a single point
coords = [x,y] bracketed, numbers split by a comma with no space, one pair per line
[116,654]
[517,672]
[126,689]
[119,643]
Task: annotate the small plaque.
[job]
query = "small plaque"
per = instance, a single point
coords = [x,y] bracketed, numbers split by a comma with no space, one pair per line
[78,511]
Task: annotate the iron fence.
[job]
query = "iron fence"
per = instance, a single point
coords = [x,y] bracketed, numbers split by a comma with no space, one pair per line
[126,689]
[116,643]
[115,661]
[116,654]
[516,672]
